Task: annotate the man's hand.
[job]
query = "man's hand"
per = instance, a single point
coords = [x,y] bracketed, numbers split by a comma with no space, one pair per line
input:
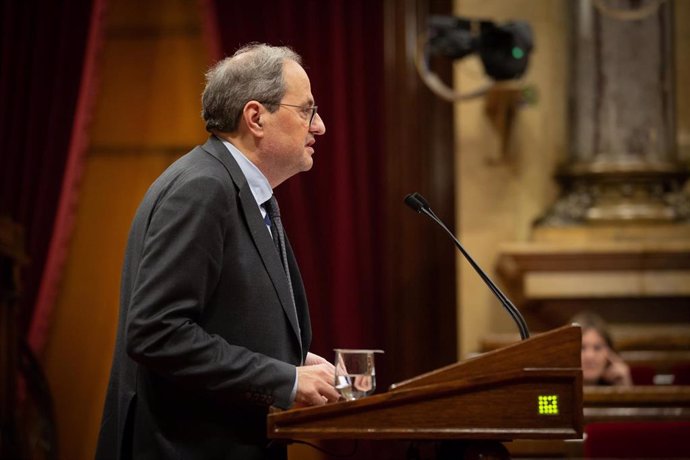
[315,382]
[313,359]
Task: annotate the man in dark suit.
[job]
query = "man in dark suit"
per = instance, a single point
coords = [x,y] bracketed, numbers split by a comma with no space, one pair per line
[214,325]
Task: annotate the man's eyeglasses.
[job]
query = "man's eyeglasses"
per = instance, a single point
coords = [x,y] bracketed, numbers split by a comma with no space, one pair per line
[310,110]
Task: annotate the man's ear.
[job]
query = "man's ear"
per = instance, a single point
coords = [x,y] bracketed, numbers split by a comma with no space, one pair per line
[253,114]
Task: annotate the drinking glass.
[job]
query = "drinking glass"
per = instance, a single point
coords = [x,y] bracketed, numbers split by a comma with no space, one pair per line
[355,373]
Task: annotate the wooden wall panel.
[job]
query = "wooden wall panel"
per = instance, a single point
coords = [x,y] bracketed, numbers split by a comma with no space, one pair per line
[420,267]
[147,115]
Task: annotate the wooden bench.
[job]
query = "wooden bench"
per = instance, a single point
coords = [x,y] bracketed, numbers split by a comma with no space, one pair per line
[645,403]
[627,337]
[658,367]
[657,354]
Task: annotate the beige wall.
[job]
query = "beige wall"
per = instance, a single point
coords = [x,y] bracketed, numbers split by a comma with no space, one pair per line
[498,197]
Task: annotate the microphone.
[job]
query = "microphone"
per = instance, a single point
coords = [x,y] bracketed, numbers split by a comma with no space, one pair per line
[419,204]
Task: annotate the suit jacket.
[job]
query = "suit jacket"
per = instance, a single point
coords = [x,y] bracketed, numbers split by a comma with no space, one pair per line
[208,337]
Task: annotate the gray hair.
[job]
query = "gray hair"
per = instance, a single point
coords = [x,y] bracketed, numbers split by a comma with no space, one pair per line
[254,72]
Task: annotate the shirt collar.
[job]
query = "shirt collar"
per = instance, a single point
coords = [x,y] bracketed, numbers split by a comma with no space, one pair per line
[258,184]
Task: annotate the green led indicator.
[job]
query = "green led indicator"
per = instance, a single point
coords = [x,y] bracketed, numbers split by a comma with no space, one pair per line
[518,53]
[548,405]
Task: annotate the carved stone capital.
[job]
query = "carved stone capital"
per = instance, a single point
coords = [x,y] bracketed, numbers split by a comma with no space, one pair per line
[618,193]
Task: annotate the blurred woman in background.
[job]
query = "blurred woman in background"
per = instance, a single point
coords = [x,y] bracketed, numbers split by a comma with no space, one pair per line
[601,365]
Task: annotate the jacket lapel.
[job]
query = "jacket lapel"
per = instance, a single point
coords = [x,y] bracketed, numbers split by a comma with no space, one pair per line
[257,229]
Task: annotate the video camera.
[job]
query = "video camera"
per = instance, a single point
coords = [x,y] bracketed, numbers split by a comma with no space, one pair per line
[503,49]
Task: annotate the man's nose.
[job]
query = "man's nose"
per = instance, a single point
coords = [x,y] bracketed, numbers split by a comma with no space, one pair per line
[317,125]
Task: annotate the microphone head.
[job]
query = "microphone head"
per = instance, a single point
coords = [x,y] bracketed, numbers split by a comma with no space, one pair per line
[413,202]
[421,199]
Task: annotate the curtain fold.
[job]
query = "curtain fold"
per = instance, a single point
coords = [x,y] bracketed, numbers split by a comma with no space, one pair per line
[69,190]
[47,51]
[333,213]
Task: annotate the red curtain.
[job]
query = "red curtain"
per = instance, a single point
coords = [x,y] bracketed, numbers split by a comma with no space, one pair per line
[333,214]
[47,53]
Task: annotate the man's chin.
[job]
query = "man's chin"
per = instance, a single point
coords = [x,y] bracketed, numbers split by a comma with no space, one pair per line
[307,164]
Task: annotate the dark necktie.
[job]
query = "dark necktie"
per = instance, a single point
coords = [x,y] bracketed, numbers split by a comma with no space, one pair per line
[273,214]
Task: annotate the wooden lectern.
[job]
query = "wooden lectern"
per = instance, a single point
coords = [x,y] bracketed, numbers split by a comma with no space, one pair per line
[527,390]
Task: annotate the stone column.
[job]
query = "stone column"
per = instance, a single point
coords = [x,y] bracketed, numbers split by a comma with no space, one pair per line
[623,165]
